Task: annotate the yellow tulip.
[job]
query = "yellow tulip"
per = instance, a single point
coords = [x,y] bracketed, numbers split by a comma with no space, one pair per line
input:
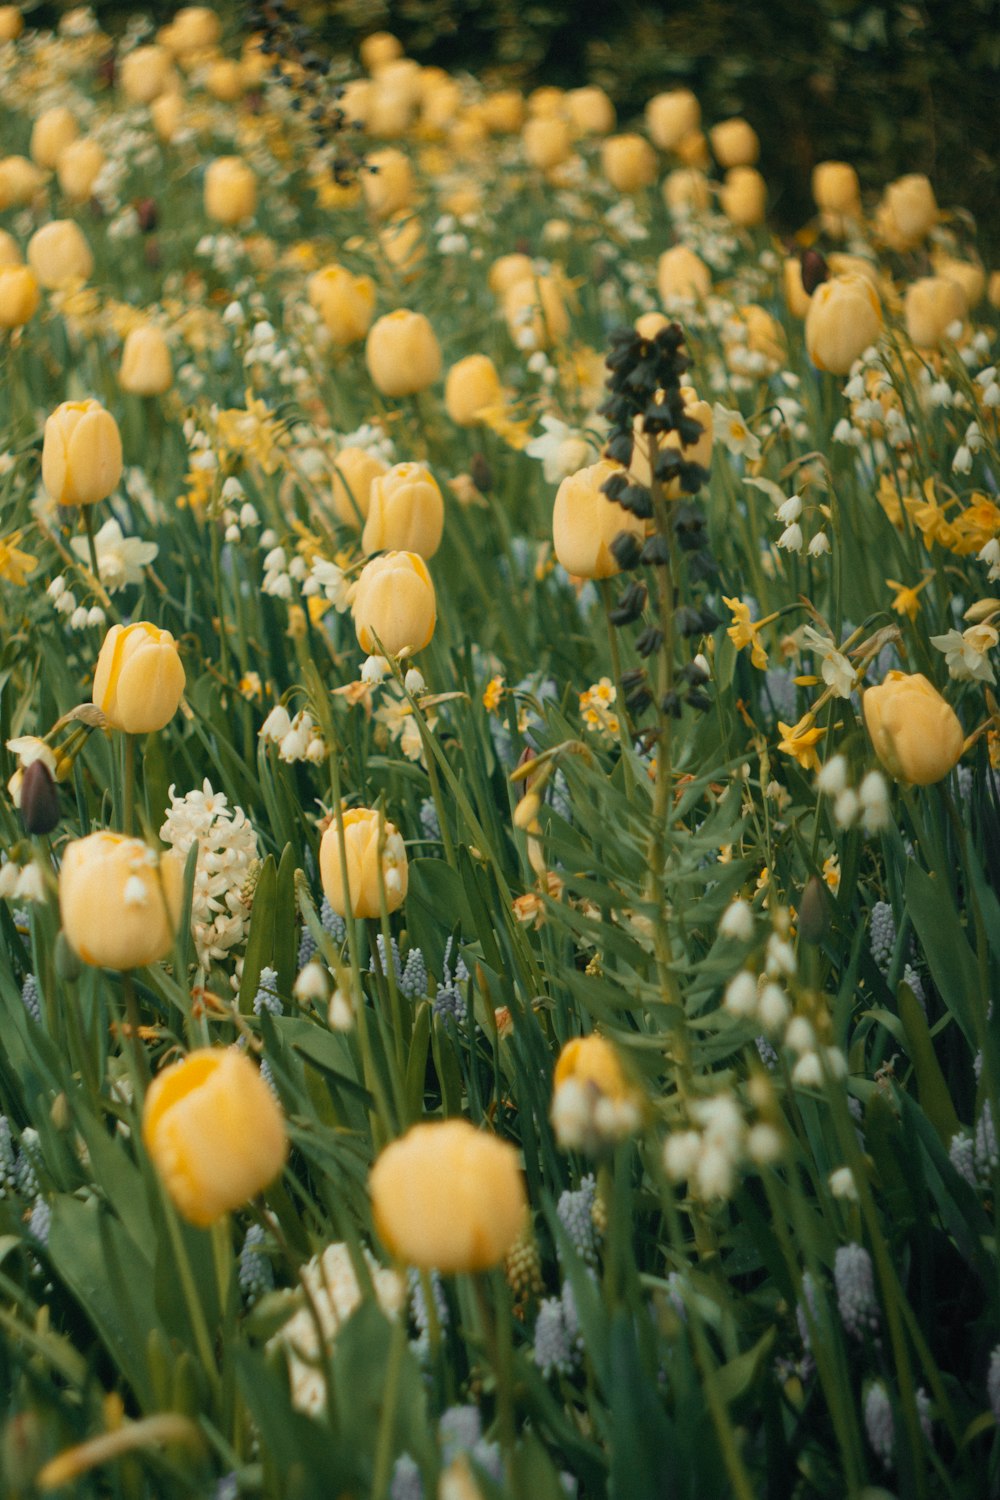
[376,861]
[394,604]
[81,453]
[139,678]
[119,901]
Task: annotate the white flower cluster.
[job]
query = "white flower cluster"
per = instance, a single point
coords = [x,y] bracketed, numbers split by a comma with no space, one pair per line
[869,803]
[708,1155]
[764,999]
[227,851]
[64,601]
[586,1119]
[296,739]
[333,1293]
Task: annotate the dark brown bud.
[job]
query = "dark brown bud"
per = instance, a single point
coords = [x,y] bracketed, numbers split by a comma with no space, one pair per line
[814,912]
[814,271]
[148,214]
[39,799]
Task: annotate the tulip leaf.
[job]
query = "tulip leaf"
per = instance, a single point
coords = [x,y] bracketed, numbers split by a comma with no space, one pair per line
[285,950]
[435,903]
[942,937]
[416,1062]
[932,1090]
[260,943]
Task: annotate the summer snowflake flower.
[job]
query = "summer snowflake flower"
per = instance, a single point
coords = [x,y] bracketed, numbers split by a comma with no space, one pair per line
[731,430]
[120,558]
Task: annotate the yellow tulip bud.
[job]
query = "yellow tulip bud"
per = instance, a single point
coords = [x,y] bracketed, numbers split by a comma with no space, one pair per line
[743,197]
[19,295]
[681,273]
[78,167]
[471,385]
[535,313]
[699,452]
[378,49]
[401,242]
[403,354]
[969,276]
[507,270]
[230,190]
[844,318]
[354,470]
[226,80]
[195,28]
[628,162]
[734,143]
[165,113]
[376,862]
[672,116]
[81,453]
[146,367]
[930,306]
[836,189]
[345,302]
[503,112]
[592,1062]
[394,605]
[11,23]
[796,296]
[145,73]
[51,134]
[585,523]
[546,101]
[546,141]
[58,254]
[686,191]
[448,1197]
[139,677]
[915,732]
[648,325]
[20,180]
[693,151]
[590,110]
[908,212]
[405,512]
[389,187]
[10,253]
[120,902]
[214,1132]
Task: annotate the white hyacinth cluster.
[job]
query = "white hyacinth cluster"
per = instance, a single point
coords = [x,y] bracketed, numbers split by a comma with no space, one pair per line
[227,852]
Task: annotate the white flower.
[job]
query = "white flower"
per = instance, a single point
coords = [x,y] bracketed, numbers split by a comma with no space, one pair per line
[773,1008]
[842,1184]
[790,510]
[965,652]
[874,795]
[819,545]
[374,669]
[764,1144]
[836,670]
[227,851]
[311,982]
[741,996]
[340,1016]
[732,431]
[681,1150]
[780,957]
[800,1035]
[295,743]
[808,1071]
[737,922]
[846,808]
[562,449]
[832,778]
[276,725]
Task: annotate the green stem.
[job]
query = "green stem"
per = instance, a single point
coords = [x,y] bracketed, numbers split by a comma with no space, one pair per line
[128,809]
[624,733]
[196,1313]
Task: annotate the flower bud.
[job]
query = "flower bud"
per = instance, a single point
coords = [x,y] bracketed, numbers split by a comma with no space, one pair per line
[78,167]
[585,523]
[844,318]
[11,23]
[628,162]
[969,276]
[681,273]
[401,242]
[448,1197]
[672,116]
[546,141]
[686,191]
[388,182]
[590,110]
[814,912]
[915,733]
[907,213]
[394,605]
[51,134]
[20,180]
[10,252]
[405,512]
[378,49]
[796,296]
[345,302]
[836,189]
[166,112]
[39,799]
[120,901]
[58,254]
[698,452]
[214,1132]
[508,269]
[145,73]
[535,312]
[146,368]
[471,385]
[743,197]
[734,143]
[376,861]
[139,678]
[930,306]
[403,354]
[19,296]
[81,453]
[226,80]
[230,190]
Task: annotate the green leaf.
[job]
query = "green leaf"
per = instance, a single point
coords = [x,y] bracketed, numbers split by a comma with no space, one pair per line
[942,937]
[932,1091]
[260,943]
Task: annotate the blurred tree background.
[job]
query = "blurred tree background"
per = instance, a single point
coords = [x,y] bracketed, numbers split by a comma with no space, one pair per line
[892,86]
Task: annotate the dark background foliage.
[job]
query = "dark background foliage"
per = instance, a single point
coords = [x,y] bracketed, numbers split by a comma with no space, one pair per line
[890,85]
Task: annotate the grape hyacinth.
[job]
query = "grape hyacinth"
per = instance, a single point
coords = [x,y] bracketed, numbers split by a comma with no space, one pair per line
[449,1000]
[855,1282]
[554,1352]
[332,923]
[962,1154]
[40,1221]
[882,935]
[8,1159]
[421,1345]
[255,1270]
[307,948]
[266,997]
[430,823]
[879,1424]
[576,1214]
[28,1161]
[30,997]
[406,1483]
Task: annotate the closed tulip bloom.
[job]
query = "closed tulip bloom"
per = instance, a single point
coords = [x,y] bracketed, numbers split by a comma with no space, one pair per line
[51,134]
[405,512]
[146,367]
[226,80]
[378,49]
[547,142]
[19,296]
[503,112]
[796,296]
[376,862]
[401,241]
[681,273]
[734,143]
[585,523]
[354,470]
[592,1062]
[693,151]
[10,253]
[507,270]
[915,733]
[628,162]
[389,187]
[590,110]
[535,313]
[214,1132]
[672,116]
[78,167]
[195,28]
[844,318]
[930,306]
[139,677]
[20,180]
[403,354]
[448,1197]
[546,102]
[345,302]
[81,453]
[394,604]
[835,188]
[743,197]
[699,452]
[649,324]
[230,190]
[472,385]
[58,254]
[686,191]
[11,23]
[969,276]
[166,112]
[145,73]
[120,902]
